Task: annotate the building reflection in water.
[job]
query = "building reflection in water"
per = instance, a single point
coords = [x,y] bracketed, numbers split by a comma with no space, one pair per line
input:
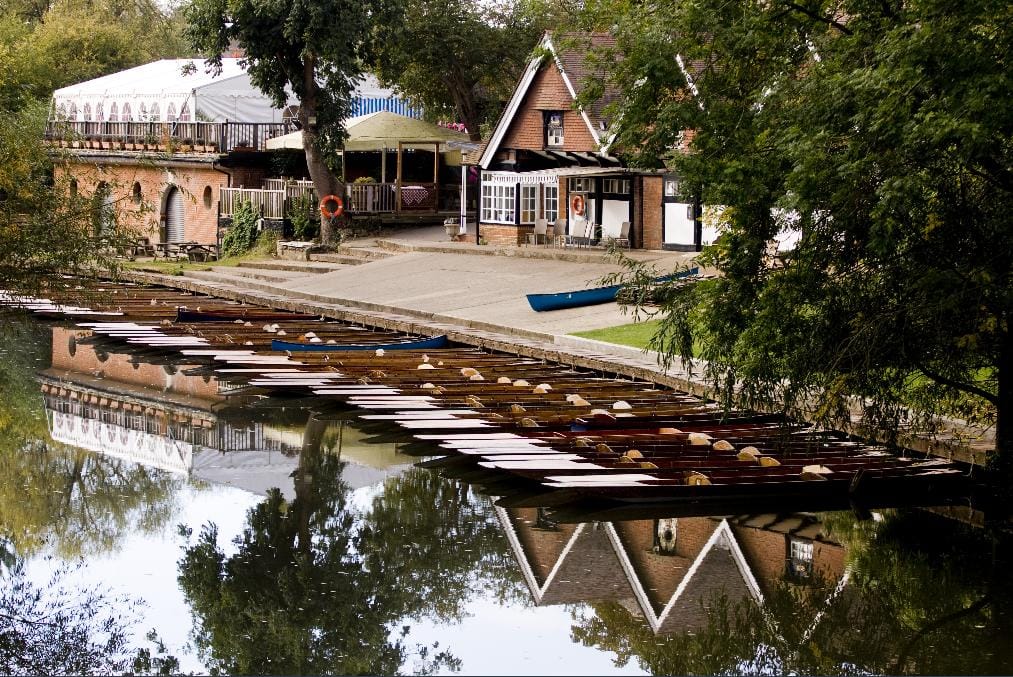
[182,418]
[669,571]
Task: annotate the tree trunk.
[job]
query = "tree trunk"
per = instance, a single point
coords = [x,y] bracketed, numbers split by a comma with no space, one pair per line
[307,497]
[465,103]
[324,181]
[1004,418]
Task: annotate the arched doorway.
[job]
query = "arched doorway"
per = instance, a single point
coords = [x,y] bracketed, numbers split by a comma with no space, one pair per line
[174,215]
[103,209]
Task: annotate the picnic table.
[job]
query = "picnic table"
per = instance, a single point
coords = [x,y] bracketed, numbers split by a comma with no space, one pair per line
[191,251]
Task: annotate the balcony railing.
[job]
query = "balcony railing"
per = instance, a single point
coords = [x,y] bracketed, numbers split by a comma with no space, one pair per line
[183,137]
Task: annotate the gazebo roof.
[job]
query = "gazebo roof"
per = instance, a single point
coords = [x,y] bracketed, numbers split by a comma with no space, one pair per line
[383,129]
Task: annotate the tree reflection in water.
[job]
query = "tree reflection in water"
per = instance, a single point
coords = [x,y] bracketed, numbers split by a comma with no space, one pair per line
[62,628]
[317,587]
[924,595]
[77,502]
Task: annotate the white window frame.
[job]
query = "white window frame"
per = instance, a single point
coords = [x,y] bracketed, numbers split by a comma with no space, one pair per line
[554,136]
[800,554]
[615,186]
[498,203]
[529,203]
[551,202]
[580,184]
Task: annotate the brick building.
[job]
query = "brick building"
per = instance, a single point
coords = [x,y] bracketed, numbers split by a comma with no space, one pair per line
[157,144]
[549,158]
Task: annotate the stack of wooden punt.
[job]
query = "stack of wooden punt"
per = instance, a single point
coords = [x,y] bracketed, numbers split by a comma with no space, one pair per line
[543,423]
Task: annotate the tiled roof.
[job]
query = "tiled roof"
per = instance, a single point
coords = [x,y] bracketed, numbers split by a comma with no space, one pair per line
[573,53]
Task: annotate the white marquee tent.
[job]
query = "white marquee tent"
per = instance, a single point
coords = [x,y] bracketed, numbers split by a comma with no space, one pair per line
[182,89]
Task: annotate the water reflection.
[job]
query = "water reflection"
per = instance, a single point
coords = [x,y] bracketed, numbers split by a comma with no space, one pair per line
[352,560]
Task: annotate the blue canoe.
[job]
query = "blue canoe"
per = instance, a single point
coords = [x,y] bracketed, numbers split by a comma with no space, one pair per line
[590,297]
[413,344]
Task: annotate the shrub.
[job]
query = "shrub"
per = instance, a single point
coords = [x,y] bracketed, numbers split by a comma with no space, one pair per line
[304,218]
[243,232]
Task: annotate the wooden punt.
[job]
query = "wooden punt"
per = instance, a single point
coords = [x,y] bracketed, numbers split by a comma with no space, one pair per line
[231,314]
[414,344]
[480,406]
[541,303]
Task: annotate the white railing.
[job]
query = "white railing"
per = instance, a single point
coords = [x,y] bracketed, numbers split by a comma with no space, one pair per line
[268,203]
[371,197]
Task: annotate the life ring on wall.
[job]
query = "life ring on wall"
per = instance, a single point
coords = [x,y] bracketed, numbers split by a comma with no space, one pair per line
[577,204]
[338,209]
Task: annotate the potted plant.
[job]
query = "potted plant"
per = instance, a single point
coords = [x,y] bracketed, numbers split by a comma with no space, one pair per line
[451,225]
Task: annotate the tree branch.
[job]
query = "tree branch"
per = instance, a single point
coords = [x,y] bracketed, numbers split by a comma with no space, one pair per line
[818,17]
[953,383]
[935,625]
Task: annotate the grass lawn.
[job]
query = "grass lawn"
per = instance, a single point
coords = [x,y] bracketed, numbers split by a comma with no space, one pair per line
[263,249]
[635,334]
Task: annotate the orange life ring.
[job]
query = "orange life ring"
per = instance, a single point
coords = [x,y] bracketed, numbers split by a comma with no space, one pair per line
[577,203]
[337,211]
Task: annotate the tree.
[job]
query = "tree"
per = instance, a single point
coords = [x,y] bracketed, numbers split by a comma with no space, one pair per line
[43,231]
[459,59]
[879,135]
[313,49]
[77,40]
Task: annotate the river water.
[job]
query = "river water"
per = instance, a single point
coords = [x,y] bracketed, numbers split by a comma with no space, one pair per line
[155,518]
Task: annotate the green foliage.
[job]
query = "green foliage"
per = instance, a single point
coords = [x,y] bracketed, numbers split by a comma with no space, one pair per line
[75,40]
[305,223]
[43,232]
[242,234]
[316,586]
[459,59]
[879,136]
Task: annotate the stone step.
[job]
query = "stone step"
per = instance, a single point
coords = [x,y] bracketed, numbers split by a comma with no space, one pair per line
[344,253]
[232,278]
[343,259]
[262,274]
[294,266]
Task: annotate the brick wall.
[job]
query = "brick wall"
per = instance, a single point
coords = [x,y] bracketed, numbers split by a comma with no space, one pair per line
[767,552]
[542,547]
[118,368]
[661,574]
[548,92]
[503,235]
[651,233]
[145,217]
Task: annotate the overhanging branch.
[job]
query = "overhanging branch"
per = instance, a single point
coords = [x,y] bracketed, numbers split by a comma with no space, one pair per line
[819,17]
[959,385]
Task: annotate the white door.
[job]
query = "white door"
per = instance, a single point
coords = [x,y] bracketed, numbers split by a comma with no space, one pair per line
[174,216]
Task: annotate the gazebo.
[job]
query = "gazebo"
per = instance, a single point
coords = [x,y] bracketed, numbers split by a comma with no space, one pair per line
[426,161]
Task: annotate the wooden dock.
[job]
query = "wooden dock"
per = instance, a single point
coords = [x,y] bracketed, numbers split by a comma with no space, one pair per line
[545,432]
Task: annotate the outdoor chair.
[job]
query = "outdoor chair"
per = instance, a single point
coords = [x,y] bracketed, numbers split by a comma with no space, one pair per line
[559,236]
[623,239]
[588,232]
[539,235]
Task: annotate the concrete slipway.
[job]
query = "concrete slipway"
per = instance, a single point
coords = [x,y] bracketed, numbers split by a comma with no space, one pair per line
[476,295]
